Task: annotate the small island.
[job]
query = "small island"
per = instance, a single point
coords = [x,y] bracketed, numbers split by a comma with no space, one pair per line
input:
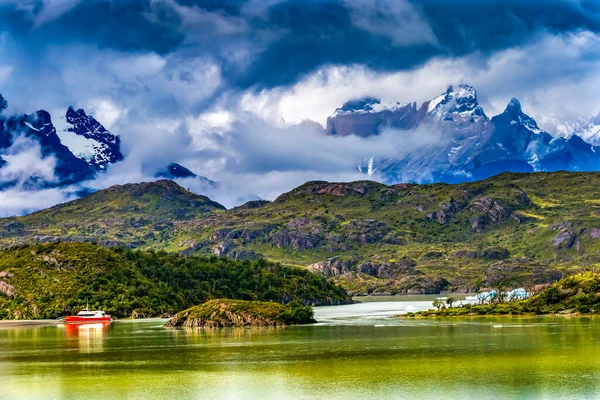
[222,313]
[575,295]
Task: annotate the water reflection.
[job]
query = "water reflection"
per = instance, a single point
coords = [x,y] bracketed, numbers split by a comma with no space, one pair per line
[87,337]
[347,355]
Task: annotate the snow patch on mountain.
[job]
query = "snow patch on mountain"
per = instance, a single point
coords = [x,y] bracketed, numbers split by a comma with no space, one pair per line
[460,101]
[366,106]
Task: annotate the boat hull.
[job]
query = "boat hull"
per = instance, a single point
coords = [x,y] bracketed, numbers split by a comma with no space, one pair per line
[86,320]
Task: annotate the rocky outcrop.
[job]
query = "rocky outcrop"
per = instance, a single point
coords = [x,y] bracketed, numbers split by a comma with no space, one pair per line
[494,253]
[566,237]
[330,268]
[6,289]
[595,233]
[246,235]
[223,248]
[491,210]
[295,239]
[404,267]
[364,231]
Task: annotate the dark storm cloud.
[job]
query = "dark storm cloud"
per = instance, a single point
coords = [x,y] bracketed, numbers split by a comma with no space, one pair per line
[119,25]
[265,44]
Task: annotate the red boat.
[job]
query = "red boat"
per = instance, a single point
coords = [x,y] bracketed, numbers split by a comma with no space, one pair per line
[88,317]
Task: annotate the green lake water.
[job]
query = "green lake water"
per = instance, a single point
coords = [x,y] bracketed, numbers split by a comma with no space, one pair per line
[355,352]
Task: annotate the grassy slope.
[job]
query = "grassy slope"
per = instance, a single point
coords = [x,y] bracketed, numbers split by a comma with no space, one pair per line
[555,199]
[575,294]
[136,215]
[47,281]
[554,202]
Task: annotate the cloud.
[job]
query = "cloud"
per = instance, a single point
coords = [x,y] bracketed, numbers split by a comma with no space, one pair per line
[24,162]
[399,21]
[17,201]
[569,61]
[219,86]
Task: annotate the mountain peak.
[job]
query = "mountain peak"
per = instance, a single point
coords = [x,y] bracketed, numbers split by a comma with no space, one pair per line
[3,103]
[461,100]
[88,139]
[514,106]
[173,171]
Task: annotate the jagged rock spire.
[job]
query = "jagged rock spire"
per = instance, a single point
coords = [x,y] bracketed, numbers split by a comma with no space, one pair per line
[3,103]
[514,106]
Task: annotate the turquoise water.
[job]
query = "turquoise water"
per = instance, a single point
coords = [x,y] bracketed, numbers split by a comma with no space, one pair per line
[355,351]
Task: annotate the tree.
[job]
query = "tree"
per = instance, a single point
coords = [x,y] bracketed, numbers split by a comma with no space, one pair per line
[450,300]
[438,303]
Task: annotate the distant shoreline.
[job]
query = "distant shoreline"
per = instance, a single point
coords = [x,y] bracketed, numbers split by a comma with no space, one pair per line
[9,324]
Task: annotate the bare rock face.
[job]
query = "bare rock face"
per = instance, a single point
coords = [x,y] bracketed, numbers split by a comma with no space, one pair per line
[247,235]
[564,239]
[364,231]
[330,268]
[395,270]
[491,210]
[13,227]
[295,239]
[304,224]
[223,248]
[363,117]
[7,289]
[566,235]
[595,233]
[494,253]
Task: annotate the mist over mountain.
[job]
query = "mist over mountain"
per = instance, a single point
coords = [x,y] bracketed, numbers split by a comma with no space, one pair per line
[446,139]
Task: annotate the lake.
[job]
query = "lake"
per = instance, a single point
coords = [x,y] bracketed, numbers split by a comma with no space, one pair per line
[354,352]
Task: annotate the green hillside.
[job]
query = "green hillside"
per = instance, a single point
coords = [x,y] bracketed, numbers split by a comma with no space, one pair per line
[50,280]
[133,215]
[512,229]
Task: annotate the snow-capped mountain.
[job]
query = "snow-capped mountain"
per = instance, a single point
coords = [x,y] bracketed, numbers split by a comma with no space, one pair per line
[586,129]
[471,146]
[88,139]
[458,104]
[78,143]
[590,131]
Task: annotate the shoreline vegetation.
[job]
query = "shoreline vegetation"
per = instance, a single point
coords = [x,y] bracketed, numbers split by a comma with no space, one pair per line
[48,281]
[575,295]
[225,313]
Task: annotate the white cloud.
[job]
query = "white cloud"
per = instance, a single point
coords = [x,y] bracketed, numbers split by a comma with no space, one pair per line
[397,20]
[106,111]
[24,161]
[5,73]
[17,201]
[53,9]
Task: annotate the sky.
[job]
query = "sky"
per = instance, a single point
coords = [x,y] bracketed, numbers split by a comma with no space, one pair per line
[223,87]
